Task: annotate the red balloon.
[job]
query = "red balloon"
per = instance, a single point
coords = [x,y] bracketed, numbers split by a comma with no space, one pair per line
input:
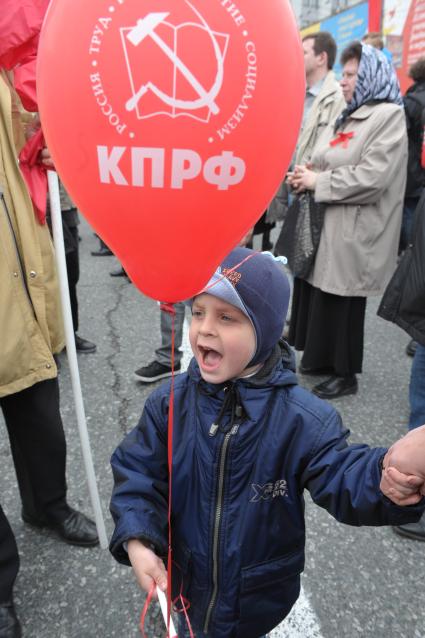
[171,125]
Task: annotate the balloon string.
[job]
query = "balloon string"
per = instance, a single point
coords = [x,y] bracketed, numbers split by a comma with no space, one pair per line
[145,609]
[185,606]
[166,307]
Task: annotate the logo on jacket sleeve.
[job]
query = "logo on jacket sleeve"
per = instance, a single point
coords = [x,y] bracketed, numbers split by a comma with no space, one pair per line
[268,491]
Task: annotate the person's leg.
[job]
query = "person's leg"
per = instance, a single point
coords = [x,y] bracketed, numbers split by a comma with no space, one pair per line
[160,367]
[163,354]
[38,446]
[103,250]
[73,271]
[9,566]
[266,244]
[333,340]
[9,559]
[417,389]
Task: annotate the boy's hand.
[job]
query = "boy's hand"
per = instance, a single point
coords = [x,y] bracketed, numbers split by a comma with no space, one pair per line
[46,159]
[402,489]
[147,566]
[407,455]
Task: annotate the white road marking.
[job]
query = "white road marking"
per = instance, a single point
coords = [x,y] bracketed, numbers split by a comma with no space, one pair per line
[302,622]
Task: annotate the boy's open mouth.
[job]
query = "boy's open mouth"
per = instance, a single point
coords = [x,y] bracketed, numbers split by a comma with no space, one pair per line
[209,357]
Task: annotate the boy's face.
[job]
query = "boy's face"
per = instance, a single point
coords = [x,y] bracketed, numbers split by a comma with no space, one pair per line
[222,339]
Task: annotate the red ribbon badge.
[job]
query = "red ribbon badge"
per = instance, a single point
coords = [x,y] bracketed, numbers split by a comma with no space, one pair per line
[342,138]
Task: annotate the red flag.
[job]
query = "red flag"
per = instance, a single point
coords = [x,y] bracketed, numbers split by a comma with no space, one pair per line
[20,25]
[35,173]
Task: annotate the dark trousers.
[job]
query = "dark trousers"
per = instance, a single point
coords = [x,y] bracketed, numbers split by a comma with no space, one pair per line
[73,270]
[9,559]
[37,441]
[38,446]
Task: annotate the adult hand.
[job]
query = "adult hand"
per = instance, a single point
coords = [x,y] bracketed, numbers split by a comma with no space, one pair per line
[147,566]
[302,179]
[401,488]
[407,455]
[46,159]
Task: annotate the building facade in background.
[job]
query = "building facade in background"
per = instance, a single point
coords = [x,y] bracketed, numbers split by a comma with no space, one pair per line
[309,11]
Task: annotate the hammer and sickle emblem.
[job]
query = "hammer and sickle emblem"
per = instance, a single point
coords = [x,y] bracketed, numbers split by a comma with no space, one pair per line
[146,28]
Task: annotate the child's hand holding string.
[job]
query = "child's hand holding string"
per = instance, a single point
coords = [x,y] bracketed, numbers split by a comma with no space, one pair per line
[147,566]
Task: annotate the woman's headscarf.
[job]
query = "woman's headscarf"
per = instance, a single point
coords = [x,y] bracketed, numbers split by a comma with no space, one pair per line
[376,82]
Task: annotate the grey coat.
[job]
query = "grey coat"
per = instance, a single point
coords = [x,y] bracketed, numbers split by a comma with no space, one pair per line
[363,185]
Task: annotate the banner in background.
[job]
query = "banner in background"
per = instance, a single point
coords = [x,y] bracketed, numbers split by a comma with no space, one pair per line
[404,28]
[345,27]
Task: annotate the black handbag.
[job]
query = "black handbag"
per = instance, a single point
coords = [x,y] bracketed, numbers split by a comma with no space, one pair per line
[403,301]
[300,235]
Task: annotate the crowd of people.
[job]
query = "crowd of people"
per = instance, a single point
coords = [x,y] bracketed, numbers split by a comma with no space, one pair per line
[359,160]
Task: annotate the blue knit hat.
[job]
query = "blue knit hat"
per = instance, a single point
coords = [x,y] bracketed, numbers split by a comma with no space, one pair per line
[260,289]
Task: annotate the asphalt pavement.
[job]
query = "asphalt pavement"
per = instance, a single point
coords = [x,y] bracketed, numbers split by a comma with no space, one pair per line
[358,581]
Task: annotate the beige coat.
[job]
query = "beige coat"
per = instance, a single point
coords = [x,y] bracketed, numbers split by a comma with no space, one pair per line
[364,186]
[30,319]
[322,117]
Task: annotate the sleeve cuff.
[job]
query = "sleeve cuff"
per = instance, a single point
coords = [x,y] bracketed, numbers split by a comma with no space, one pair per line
[322,192]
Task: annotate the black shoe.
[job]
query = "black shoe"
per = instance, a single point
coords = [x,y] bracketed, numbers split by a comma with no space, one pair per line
[84,345]
[411,348]
[10,626]
[102,252]
[415,531]
[76,529]
[336,387]
[155,371]
[119,272]
[314,372]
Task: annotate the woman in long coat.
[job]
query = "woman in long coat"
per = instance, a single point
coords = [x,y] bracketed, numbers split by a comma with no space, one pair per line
[359,172]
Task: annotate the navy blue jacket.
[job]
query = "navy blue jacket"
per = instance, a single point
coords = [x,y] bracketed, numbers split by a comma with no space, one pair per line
[237,499]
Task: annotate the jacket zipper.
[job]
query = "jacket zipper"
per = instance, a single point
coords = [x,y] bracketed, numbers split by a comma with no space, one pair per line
[21,268]
[217,519]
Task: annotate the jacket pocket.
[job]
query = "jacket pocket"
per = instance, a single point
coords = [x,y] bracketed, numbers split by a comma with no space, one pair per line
[351,217]
[273,571]
[278,583]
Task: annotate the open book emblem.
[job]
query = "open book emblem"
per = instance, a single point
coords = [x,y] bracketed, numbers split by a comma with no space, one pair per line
[189,62]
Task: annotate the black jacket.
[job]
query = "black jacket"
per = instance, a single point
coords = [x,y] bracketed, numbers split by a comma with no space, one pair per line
[414,104]
[403,302]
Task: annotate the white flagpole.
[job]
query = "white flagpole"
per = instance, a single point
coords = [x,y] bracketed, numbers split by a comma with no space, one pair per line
[162,599]
[55,209]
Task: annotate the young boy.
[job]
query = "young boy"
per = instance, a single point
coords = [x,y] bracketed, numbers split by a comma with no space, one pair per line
[247,441]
